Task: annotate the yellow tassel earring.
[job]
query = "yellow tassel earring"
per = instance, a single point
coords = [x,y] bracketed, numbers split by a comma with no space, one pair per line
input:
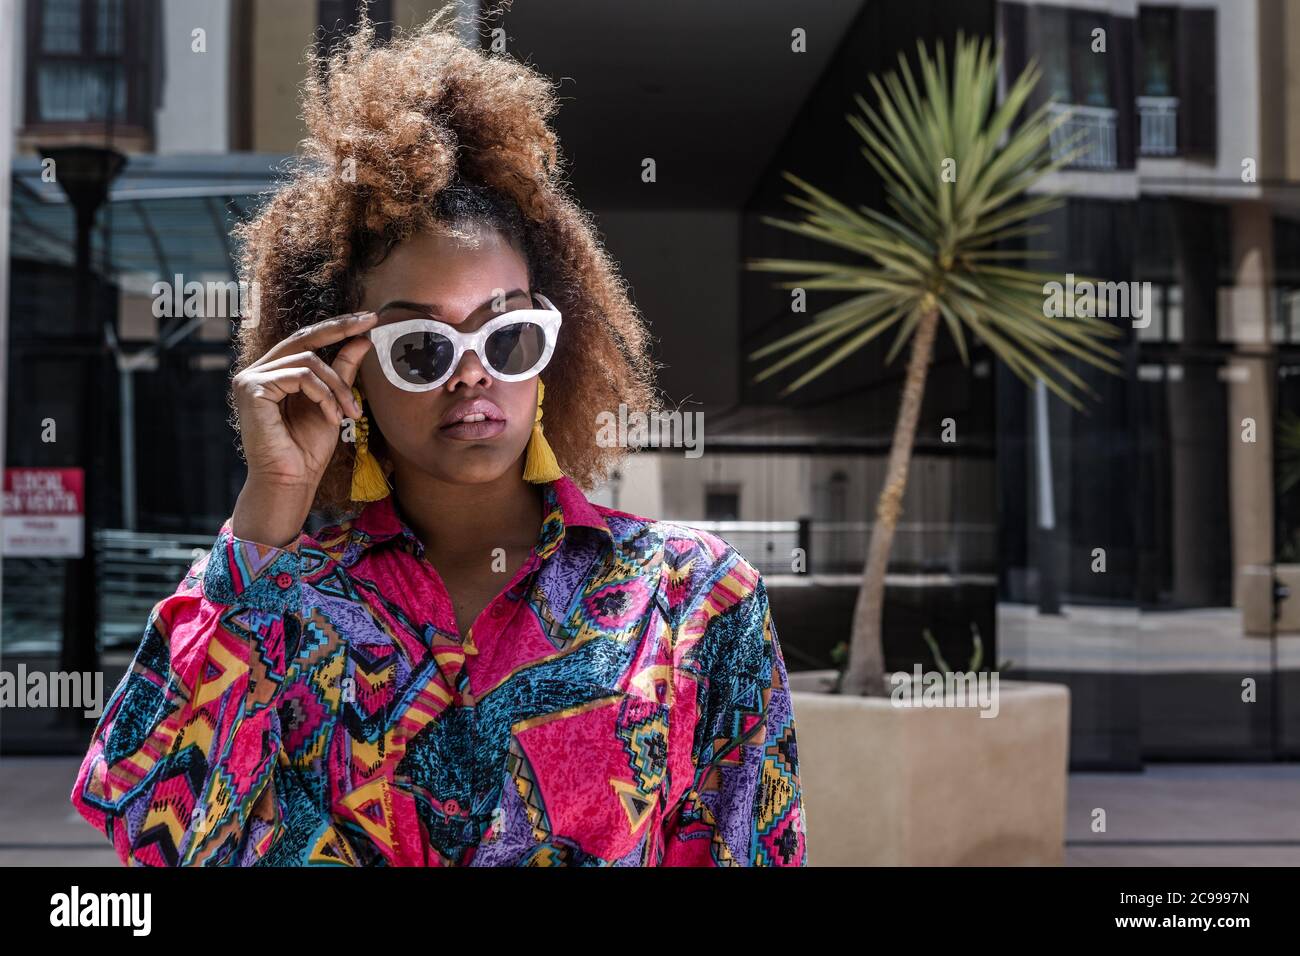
[369,483]
[540,466]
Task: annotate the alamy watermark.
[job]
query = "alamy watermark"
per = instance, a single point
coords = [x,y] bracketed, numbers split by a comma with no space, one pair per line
[1087,299]
[209,299]
[946,689]
[658,429]
[59,689]
[133,911]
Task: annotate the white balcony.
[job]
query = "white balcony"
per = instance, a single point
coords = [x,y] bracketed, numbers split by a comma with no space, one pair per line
[1097,124]
[1159,125]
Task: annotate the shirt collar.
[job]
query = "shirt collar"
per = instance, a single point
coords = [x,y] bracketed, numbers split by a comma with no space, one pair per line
[379,522]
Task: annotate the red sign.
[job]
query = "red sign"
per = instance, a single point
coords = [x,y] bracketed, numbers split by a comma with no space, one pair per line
[43,510]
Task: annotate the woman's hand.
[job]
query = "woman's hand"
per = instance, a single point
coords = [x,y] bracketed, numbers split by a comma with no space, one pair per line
[291,406]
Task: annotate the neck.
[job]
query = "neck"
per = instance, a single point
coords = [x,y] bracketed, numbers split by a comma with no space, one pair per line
[469,519]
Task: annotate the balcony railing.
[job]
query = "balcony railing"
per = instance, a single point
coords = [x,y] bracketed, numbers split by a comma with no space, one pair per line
[840,547]
[1159,125]
[1097,142]
[135,570]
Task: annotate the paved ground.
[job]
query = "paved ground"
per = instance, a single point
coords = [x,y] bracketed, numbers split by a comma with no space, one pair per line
[1126,640]
[1187,815]
[1169,815]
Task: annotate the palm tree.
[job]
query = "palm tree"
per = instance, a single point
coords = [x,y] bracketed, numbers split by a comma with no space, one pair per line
[957,178]
[1288,454]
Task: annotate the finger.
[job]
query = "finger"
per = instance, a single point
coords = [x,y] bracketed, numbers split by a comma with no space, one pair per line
[319,334]
[342,390]
[348,362]
[279,384]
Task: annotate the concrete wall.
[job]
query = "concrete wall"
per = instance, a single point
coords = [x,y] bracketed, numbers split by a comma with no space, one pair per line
[9,9]
[1251,388]
[1257,91]
[677,265]
[282,32]
[1237,101]
[775,487]
[1289,80]
[193,117]
[15,61]
[787,487]
[1278,45]
[199,89]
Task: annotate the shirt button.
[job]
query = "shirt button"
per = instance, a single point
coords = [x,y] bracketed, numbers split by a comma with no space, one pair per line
[498,824]
[452,807]
[284,579]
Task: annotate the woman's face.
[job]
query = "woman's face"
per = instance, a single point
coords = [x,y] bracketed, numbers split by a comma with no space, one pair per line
[462,283]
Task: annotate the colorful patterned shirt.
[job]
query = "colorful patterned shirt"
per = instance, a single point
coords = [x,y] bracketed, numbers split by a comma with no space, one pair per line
[622,702]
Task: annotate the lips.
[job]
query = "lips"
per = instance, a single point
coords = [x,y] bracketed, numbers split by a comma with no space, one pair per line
[474,410]
[475,419]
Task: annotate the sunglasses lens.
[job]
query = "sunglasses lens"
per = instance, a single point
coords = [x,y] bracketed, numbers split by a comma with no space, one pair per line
[422,357]
[516,349]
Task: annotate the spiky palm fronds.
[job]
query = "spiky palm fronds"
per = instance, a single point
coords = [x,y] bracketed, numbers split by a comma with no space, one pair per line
[957,176]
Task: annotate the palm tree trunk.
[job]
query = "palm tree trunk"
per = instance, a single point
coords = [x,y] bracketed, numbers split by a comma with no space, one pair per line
[865,673]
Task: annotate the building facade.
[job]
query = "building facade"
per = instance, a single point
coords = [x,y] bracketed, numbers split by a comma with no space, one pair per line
[1143,551]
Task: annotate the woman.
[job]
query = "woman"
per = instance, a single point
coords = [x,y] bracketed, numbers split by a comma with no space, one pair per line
[468,664]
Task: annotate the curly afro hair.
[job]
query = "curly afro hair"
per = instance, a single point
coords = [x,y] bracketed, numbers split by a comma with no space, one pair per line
[427,133]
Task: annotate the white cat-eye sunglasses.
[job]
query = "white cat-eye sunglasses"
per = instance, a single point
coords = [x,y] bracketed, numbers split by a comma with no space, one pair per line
[419,353]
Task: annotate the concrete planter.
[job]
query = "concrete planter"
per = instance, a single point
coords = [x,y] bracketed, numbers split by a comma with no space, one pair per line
[886,785]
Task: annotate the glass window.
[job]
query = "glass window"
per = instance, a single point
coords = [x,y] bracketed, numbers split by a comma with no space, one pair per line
[1155,329]
[722,504]
[108,26]
[1053,50]
[1156,32]
[80,64]
[1091,68]
[70,92]
[61,26]
[1174,313]
[1286,315]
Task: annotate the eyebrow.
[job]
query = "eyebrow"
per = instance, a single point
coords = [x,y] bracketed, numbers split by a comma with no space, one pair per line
[434,309]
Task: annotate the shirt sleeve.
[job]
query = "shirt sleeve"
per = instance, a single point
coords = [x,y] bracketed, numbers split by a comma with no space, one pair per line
[744,805]
[181,763]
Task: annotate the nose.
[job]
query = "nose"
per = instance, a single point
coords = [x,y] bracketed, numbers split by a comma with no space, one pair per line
[469,372]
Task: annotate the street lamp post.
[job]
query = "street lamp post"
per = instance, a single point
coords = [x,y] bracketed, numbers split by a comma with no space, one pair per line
[84,173]
[1049,584]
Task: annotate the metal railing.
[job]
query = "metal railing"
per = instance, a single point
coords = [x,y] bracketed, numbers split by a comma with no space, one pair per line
[840,547]
[1158,117]
[1090,129]
[31,616]
[134,570]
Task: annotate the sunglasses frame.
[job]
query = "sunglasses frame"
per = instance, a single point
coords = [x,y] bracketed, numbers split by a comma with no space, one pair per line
[384,336]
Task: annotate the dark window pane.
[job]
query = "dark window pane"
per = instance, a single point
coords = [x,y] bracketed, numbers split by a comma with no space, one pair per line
[338,18]
[61,26]
[721,505]
[108,26]
[73,92]
[1053,51]
[1091,69]
[1197,95]
[1158,29]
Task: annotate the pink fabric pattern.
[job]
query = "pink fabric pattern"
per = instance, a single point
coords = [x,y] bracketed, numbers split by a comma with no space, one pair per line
[621,702]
